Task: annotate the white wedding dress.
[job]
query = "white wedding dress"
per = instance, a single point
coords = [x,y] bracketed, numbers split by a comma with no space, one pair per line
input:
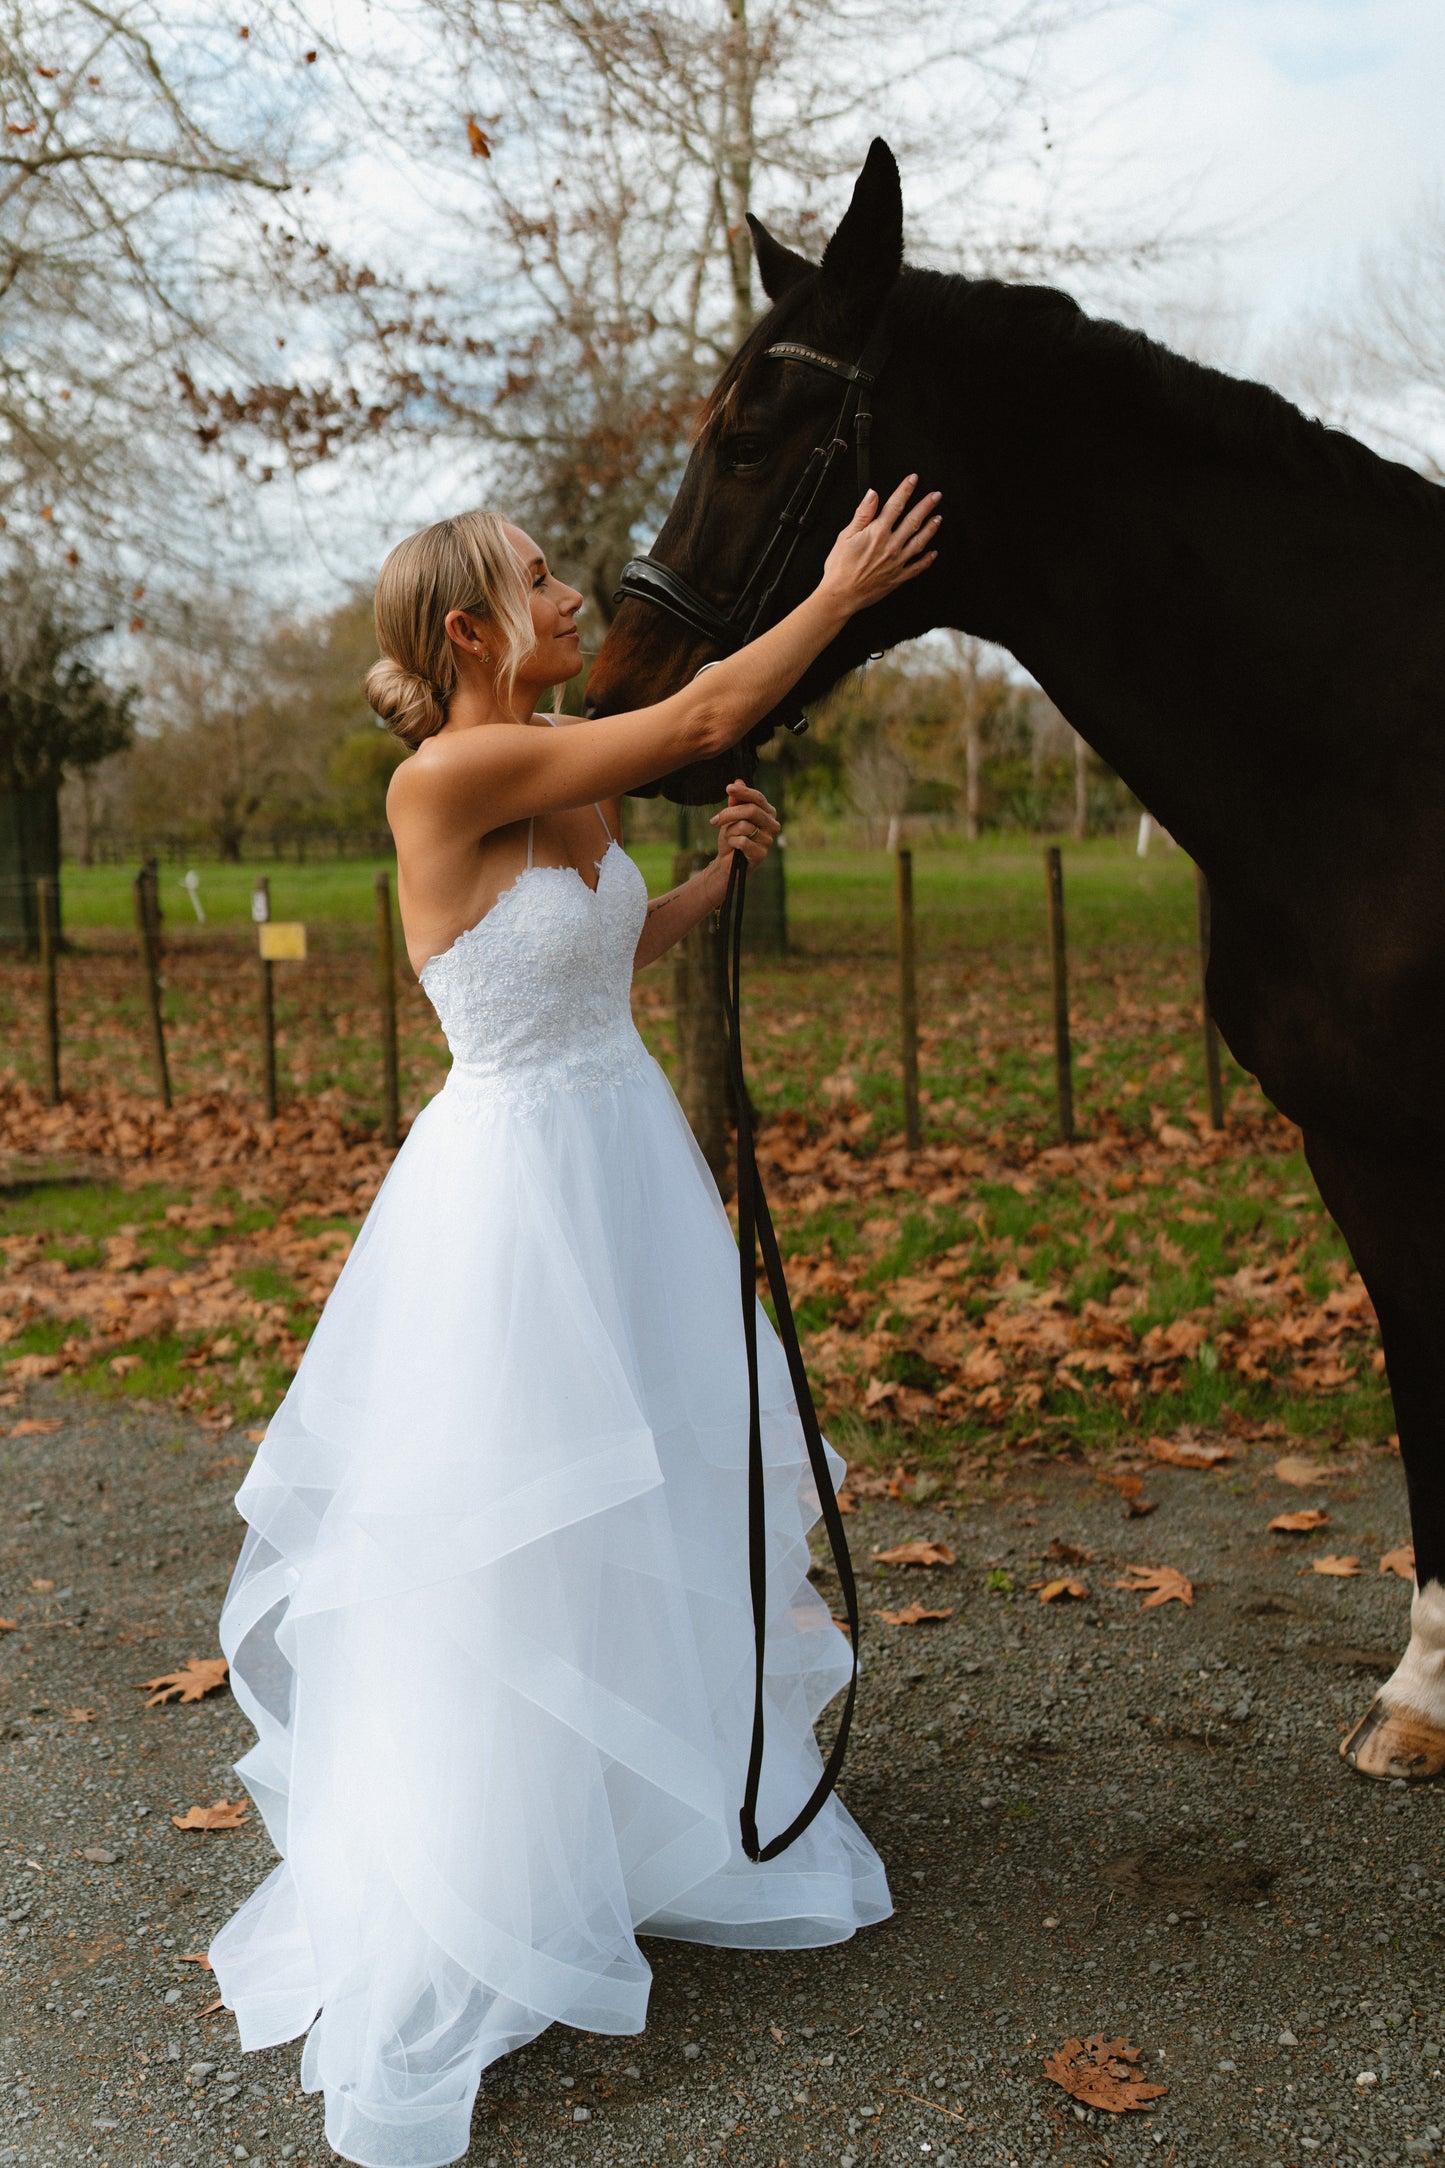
[491,1617]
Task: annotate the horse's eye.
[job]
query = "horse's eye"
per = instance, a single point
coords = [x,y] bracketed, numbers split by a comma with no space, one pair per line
[745,455]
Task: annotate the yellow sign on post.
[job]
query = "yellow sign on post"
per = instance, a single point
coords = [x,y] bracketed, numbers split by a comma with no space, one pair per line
[283,941]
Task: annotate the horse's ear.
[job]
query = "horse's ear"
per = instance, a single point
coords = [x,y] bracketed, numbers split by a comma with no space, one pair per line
[778,267]
[865,255]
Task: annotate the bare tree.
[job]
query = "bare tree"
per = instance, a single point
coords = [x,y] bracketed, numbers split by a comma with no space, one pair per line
[1377,365]
[632,138]
[156,252]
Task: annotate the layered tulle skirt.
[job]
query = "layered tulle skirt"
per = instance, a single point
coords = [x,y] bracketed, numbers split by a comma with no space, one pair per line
[491,1620]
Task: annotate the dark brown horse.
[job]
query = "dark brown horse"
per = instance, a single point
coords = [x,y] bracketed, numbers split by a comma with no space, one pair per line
[1244,613]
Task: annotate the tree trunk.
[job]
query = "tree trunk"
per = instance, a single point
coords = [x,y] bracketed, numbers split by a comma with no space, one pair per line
[735,176]
[1081,788]
[702,1047]
[29,851]
[972,778]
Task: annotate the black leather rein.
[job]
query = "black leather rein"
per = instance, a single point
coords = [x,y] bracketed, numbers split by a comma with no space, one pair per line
[646,580]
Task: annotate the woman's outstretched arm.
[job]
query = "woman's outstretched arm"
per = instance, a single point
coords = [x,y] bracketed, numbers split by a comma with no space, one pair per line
[478,780]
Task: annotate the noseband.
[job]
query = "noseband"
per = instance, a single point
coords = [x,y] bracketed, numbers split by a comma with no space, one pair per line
[645,579]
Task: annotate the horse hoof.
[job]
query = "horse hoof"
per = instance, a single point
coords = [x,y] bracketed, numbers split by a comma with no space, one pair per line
[1389,1743]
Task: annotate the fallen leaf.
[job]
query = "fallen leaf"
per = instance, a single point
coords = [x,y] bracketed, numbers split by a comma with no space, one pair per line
[1051,1591]
[199,1676]
[1401,1560]
[1070,1554]
[1187,1452]
[80,1716]
[1168,1585]
[1102,2074]
[122,1365]
[1139,1509]
[9,1625]
[1299,1524]
[1343,1567]
[923,1553]
[42,1588]
[212,2007]
[34,1426]
[197,1957]
[223,1815]
[912,1614]
[1301,1473]
[258,1437]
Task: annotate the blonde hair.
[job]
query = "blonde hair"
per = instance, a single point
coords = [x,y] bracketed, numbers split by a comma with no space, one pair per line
[465,563]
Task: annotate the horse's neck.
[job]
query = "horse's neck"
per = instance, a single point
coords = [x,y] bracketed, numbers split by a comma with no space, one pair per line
[1190,602]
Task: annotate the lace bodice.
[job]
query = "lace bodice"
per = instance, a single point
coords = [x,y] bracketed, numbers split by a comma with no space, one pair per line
[536,998]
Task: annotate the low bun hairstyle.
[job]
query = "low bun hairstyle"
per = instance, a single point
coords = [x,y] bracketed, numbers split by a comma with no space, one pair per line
[464,563]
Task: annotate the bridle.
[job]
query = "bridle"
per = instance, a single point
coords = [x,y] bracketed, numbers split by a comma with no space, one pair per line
[645,579]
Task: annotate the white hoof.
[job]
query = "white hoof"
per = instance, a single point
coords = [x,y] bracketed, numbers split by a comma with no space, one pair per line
[1403,1732]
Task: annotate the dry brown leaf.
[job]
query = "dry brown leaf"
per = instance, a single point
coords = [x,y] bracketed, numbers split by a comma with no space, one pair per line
[198,1957]
[922,1553]
[1299,1524]
[223,1815]
[1069,1554]
[212,2007]
[913,1614]
[1301,1473]
[1166,1583]
[1401,1560]
[42,1587]
[1342,1567]
[9,1625]
[34,1426]
[1052,1591]
[1187,1452]
[1139,1509]
[199,1676]
[1102,2074]
[80,1716]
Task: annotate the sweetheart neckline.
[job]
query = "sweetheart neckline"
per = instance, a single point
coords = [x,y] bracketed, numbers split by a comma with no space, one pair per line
[510,890]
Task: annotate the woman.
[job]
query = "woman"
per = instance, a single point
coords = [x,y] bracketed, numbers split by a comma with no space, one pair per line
[491,1617]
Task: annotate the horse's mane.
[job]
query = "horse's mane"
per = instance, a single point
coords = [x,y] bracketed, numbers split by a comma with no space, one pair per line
[1234,414]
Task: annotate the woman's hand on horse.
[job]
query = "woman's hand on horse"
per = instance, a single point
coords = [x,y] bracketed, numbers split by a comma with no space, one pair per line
[881,548]
[747,823]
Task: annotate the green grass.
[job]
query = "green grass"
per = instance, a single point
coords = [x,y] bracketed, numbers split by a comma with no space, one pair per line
[969,895]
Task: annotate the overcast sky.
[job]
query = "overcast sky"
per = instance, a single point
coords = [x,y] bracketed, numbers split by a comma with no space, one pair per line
[1308,130]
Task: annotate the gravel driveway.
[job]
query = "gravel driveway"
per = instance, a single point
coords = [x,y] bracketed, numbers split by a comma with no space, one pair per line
[1096,1818]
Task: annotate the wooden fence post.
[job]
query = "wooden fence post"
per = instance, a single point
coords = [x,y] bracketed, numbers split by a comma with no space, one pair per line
[49,920]
[1058,958]
[386,982]
[266,988]
[908,1001]
[148,933]
[1213,1077]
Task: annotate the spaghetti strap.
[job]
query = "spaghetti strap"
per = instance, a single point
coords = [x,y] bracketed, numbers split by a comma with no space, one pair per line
[531,825]
[606,830]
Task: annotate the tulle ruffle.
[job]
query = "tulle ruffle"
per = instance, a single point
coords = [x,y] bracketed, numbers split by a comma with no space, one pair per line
[490,1621]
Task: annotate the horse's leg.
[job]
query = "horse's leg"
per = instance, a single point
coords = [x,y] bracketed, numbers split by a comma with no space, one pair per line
[1393,1217]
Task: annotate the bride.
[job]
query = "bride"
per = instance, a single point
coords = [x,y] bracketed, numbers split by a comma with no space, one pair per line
[491,1616]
